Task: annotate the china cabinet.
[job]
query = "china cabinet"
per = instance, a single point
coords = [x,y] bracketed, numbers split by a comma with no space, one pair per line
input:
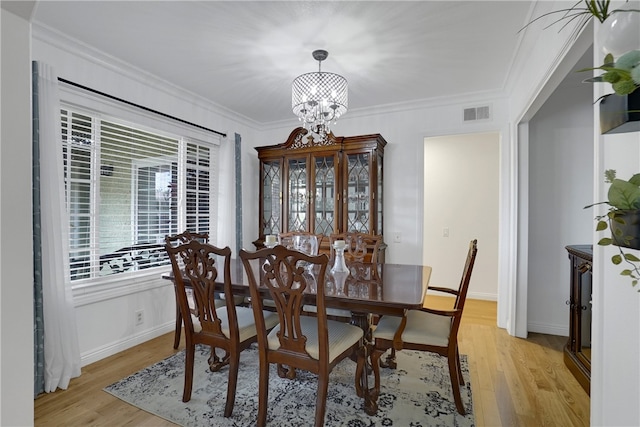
[321,186]
[577,352]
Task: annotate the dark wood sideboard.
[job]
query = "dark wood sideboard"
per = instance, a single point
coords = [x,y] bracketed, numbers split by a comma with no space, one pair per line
[577,352]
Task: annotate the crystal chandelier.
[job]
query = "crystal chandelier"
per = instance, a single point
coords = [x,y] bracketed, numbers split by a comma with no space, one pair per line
[319,99]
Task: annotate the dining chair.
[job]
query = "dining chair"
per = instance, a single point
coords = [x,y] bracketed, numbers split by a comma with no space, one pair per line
[360,246]
[181,238]
[315,344]
[175,240]
[229,327]
[428,330]
[302,241]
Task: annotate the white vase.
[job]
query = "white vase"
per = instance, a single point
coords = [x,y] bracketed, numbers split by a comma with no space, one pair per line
[620,32]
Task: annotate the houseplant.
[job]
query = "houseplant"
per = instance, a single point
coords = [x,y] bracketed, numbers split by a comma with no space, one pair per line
[582,11]
[620,111]
[623,73]
[623,219]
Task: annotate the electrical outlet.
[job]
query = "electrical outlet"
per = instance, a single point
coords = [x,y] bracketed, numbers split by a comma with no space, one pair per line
[445,232]
[139,317]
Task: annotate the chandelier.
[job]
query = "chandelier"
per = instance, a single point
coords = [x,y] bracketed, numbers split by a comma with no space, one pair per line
[319,99]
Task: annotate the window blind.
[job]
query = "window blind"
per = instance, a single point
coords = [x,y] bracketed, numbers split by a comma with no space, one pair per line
[127,188]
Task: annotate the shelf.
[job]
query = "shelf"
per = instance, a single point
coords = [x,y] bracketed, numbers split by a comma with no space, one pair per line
[620,114]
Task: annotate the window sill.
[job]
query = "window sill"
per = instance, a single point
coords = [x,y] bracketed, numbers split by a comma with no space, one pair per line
[102,289]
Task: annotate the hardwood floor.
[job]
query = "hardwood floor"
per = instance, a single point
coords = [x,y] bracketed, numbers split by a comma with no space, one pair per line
[515,382]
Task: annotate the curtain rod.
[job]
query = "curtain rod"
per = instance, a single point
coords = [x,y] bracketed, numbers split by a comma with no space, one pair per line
[142,107]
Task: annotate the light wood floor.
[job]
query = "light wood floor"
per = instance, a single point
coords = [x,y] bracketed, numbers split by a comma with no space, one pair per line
[515,382]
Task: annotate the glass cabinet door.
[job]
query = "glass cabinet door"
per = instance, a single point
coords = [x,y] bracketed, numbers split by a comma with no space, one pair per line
[327,186]
[358,197]
[324,201]
[297,194]
[271,197]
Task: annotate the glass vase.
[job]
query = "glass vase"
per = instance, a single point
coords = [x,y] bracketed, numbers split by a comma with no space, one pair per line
[339,265]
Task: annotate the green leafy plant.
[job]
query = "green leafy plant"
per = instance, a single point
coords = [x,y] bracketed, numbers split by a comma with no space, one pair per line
[623,74]
[582,11]
[624,197]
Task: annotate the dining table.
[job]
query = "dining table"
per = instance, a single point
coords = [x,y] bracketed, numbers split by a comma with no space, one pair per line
[394,289]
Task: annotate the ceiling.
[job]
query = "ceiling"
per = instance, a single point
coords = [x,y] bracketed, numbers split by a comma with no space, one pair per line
[243,55]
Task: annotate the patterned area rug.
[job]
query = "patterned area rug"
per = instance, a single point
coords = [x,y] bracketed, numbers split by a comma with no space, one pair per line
[417,393]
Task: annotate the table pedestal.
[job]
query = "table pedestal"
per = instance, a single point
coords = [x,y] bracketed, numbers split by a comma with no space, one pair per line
[363,321]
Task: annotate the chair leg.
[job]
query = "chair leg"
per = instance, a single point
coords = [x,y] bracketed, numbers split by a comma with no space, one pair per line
[234,363]
[176,338]
[263,392]
[321,399]
[455,383]
[390,360]
[188,372]
[460,378]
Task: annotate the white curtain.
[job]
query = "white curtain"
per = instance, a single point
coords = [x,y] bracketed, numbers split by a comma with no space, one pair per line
[61,349]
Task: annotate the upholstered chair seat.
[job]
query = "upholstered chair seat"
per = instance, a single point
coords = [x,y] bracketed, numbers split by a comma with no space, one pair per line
[421,328]
[341,337]
[246,322]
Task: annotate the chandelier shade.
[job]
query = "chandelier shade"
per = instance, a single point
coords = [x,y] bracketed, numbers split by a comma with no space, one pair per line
[319,99]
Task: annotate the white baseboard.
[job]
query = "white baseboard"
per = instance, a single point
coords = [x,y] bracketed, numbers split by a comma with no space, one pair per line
[470,295]
[544,328]
[482,296]
[128,342]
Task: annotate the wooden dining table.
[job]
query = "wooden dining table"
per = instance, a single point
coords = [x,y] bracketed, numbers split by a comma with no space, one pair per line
[397,288]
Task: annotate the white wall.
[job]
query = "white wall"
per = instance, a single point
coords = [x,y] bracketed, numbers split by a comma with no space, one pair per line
[461,190]
[544,58]
[560,185]
[16,243]
[615,373]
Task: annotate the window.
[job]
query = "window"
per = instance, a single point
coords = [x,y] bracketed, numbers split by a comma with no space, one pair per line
[126,189]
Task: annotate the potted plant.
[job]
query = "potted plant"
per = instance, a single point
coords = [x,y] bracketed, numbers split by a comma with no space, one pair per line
[623,74]
[620,111]
[623,219]
[582,11]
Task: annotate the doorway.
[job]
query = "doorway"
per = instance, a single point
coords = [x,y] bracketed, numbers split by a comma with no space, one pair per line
[461,203]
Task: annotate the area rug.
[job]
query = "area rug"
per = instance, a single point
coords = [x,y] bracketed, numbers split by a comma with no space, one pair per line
[417,393]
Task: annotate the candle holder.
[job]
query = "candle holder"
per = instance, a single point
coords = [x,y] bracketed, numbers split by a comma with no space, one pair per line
[270,241]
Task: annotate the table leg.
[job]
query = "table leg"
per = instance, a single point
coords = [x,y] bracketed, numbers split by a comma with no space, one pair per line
[363,320]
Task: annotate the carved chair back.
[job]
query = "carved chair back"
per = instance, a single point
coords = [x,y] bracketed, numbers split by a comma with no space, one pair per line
[360,247]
